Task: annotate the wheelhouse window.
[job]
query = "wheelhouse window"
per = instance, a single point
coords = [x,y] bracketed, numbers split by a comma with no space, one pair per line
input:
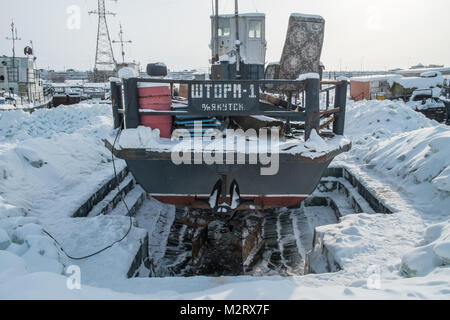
[255,30]
[224,27]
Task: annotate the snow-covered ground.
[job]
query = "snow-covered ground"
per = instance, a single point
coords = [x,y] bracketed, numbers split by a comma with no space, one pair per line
[51,160]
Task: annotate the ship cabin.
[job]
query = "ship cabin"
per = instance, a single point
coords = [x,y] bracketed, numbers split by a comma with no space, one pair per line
[252,43]
[19,79]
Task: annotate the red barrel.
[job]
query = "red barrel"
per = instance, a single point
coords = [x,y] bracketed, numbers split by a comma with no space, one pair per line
[156,98]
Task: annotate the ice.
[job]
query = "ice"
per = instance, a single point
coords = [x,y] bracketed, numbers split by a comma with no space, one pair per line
[42,255]
[151,84]
[5,241]
[21,234]
[435,253]
[428,103]
[419,263]
[227,58]
[146,138]
[142,137]
[10,266]
[308,16]
[442,251]
[375,78]
[8,210]
[49,155]
[30,156]
[430,74]
[395,141]
[84,236]
[418,157]
[127,72]
[442,181]
[315,142]
[417,82]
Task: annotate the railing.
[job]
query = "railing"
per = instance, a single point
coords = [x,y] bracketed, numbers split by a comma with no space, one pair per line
[33,97]
[232,98]
[91,91]
[332,86]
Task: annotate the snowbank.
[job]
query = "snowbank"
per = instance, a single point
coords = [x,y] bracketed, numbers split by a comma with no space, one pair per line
[52,160]
[84,236]
[367,121]
[418,157]
[427,104]
[402,146]
[362,241]
[391,138]
[26,249]
[306,76]
[434,252]
[410,156]
[417,82]
[141,137]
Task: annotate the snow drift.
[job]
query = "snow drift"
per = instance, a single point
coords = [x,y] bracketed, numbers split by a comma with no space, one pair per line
[49,154]
[433,252]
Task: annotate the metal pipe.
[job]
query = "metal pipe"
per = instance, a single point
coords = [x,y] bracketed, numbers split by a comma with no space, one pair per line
[312,107]
[340,102]
[131,102]
[216,49]
[238,44]
[288,129]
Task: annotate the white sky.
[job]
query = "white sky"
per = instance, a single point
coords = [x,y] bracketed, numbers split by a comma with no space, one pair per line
[368,34]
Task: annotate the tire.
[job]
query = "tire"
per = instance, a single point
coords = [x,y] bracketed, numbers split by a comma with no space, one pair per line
[156,70]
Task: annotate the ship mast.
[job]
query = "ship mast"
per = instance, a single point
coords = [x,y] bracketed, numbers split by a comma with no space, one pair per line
[122,42]
[238,44]
[215,57]
[13,38]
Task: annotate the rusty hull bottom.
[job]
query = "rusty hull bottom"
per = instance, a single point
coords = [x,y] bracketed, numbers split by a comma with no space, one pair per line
[259,203]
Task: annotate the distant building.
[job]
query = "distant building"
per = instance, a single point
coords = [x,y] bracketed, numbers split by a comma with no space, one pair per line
[372,87]
[421,66]
[416,72]
[62,76]
[427,84]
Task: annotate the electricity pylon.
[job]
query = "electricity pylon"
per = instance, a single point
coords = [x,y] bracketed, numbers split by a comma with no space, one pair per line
[104,56]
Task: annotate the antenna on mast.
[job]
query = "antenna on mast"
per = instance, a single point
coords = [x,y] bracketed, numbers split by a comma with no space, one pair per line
[215,57]
[13,38]
[122,42]
[238,43]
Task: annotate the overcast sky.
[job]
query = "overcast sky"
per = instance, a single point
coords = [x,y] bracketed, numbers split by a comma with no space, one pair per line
[368,34]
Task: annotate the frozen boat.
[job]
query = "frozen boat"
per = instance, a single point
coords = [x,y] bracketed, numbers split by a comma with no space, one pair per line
[21,86]
[241,140]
